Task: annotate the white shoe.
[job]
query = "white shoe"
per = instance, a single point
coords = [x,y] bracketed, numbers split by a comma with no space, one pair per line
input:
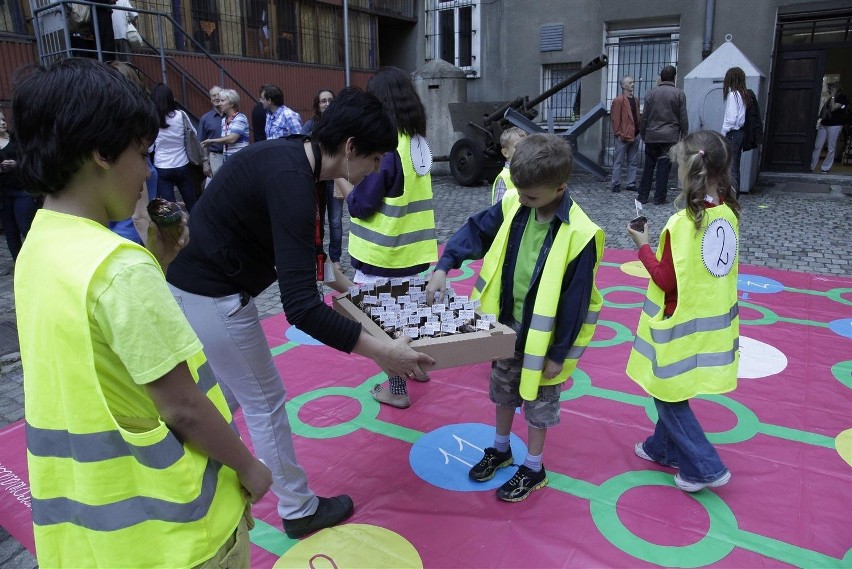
[696,486]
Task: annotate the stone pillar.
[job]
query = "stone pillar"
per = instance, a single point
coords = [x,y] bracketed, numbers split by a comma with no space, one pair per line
[439,83]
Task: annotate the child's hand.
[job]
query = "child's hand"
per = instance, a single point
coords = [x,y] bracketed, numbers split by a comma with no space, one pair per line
[551,368]
[256,479]
[165,244]
[639,237]
[437,283]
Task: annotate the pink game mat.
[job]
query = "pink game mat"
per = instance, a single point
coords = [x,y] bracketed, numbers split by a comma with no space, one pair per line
[785,434]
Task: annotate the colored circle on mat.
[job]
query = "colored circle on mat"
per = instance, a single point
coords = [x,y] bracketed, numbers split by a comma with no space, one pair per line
[444,456]
[843,444]
[709,549]
[758,359]
[635,269]
[841,327]
[352,545]
[295,335]
[758,285]
[842,372]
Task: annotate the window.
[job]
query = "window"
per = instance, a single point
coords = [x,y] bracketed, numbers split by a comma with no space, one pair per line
[564,105]
[453,33]
[642,54]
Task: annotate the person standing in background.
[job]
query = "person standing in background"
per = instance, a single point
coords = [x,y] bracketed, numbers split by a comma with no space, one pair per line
[210,126]
[281,121]
[170,158]
[258,118]
[19,207]
[120,19]
[736,98]
[625,128]
[664,122]
[833,117]
[235,127]
[333,195]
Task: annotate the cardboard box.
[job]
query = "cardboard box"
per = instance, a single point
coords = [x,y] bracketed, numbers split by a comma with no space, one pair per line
[447,351]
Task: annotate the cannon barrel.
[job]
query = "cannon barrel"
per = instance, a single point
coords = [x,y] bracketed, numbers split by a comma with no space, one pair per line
[597,63]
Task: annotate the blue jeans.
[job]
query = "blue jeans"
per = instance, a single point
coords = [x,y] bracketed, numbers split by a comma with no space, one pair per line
[334,207]
[182,177]
[19,209]
[735,140]
[656,159]
[679,441]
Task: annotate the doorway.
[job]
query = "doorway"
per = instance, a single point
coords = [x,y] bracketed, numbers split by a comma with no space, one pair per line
[808,48]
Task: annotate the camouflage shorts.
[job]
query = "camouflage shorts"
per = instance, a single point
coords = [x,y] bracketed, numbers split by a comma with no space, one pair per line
[541,413]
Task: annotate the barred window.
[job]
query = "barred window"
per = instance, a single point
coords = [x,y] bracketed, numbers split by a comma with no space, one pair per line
[564,105]
[453,33]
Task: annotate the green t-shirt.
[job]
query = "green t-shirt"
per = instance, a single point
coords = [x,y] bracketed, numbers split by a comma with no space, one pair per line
[534,234]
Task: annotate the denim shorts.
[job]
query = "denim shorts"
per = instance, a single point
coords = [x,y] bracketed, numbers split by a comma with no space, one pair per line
[504,391]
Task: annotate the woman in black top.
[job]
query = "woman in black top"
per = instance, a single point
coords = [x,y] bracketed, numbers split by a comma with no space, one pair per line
[257,223]
[19,207]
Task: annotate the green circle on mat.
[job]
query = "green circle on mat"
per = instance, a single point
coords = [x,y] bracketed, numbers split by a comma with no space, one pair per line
[747,422]
[636,289]
[623,334]
[842,372]
[369,410]
[835,294]
[707,550]
[579,385]
[769,317]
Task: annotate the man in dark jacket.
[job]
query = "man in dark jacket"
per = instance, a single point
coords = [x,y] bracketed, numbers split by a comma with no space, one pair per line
[664,123]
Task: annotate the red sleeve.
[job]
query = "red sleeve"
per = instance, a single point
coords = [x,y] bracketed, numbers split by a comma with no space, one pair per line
[662,272]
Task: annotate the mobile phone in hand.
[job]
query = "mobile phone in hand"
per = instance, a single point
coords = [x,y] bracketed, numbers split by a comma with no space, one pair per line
[638,224]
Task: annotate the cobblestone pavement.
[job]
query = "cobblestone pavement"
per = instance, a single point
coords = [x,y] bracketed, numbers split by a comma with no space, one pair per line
[808,232]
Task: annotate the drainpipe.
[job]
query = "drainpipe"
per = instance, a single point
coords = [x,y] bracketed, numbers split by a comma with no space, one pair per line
[346,42]
[710,11]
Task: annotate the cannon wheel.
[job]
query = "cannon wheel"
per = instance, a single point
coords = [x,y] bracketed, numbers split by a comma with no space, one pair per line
[467,161]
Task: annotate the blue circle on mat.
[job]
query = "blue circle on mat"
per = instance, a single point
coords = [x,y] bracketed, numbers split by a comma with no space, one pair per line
[758,284]
[842,327]
[444,456]
[297,336]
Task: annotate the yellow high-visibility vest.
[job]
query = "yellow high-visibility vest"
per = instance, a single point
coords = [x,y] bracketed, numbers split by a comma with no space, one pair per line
[402,232]
[569,242]
[504,182]
[696,350]
[102,495]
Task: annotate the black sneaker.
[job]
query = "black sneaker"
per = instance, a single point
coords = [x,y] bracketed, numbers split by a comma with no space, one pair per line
[616,189]
[522,484]
[329,512]
[632,189]
[493,460]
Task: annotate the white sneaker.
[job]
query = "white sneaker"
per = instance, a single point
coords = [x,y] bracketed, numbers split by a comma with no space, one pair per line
[696,486]
[639,449]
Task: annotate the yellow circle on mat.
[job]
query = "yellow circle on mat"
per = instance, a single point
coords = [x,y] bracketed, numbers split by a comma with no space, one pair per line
[843,444]
[352,545]
[636,269]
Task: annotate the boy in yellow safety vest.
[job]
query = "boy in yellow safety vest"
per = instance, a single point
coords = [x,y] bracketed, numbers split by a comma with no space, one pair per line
[541,253]
[132,461]
[509,139]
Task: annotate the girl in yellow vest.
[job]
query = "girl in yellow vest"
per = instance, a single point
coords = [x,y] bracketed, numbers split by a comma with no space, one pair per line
[392,221]
[132,460]
[688,344]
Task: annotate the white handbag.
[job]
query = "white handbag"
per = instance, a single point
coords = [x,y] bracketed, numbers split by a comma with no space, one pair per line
[134,37]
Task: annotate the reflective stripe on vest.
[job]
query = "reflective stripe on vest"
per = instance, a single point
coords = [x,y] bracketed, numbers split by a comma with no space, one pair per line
[103,494]
[569,242]
[696,350]
[401,233]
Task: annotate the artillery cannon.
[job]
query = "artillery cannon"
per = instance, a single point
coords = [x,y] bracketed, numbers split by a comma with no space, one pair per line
[477,155]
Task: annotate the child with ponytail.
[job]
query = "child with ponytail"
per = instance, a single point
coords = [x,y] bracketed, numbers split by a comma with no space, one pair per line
[687,339]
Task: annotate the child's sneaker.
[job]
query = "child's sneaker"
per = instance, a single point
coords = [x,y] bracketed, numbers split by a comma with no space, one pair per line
[493,460]
[696,486]
[522,484]
[639,449]
[383,395]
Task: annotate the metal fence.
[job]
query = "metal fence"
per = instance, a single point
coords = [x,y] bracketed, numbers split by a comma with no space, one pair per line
[305,31]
